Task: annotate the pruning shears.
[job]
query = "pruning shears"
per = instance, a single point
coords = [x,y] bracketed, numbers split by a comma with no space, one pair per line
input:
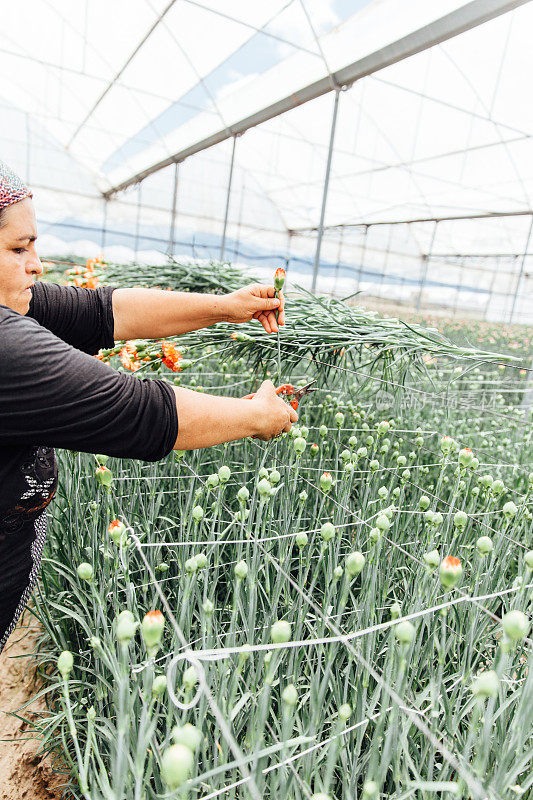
[289,390]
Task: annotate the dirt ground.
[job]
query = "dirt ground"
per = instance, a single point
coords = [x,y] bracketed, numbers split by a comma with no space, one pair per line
[24,775]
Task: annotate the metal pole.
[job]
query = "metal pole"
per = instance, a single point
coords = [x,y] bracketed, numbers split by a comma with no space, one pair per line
[228,197]
[521,273]
[288,251]
[425,259]
[173,212]
[361,260]
[138,220]
[325,190]
[104,223]
[337,265]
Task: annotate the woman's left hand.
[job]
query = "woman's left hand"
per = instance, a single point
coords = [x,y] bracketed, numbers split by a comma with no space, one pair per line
[256,301]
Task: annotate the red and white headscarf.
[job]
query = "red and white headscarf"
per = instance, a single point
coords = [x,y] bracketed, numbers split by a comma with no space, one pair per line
[12,189]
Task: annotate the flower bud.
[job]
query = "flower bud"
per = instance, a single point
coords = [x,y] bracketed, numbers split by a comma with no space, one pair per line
[374,465]
[188,735]
[354,563]
[191,565]
[212,480]
[401,461]
[302,497]
[326,482]
[190,678]
[460,520]
[498,487]
[65,663]
[289,695]
[85,571]
[345,712]
[126,627]
[241,570]
[370,790]
[432,559]
[339,419]
[486,684]
[395,611]
[314,449]
[424,503]
[337,573]
[152,628]
[201,560]
[374,535]
[197,513]
[224,474]
[528,558]
[450,571]
[446,445]
[484,545]
[280,632]
[323,431]
[117,531]
[383,522]
[299,445]
[263,472]
[352,441]
[208,607]
[176,765]
[104,476]
[279,279]
[383,427]
[486,481]
[301,539]
[327,531]
[404,632]
[159,685]
[274,477]
[515,625]
[243,495]
[509,510]
[264,488]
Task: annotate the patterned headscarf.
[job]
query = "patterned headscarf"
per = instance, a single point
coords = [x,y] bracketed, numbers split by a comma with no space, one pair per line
[12,190]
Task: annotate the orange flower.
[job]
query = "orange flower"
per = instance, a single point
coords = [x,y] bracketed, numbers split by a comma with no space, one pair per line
[172,356]
[128,357]
[279,278]
[451,561]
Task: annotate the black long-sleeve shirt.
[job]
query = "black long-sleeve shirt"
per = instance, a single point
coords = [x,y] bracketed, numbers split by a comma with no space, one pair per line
[54,393]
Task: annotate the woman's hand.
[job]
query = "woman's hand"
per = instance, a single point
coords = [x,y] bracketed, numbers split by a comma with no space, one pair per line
[273,415]
[255,301]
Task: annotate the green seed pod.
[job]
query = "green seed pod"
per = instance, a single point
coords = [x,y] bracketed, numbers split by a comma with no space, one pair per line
[404,632]
[383,522]
[327,531]
[264,487]
[188,735]
[484,545]
[208,607]
[354,563]
[241,570]
[345,712]
[197,513]
[432,559]
[280,632]
[289,695]
[159,685]
[395,611]
[515,625]
[243,495]
[162,567]
[65,663]
[301,539]
[176,765]
[85,571]
[486,684]
[299,445]
[224,474]
[152,628]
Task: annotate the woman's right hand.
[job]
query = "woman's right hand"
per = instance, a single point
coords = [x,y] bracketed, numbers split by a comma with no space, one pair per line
[273,415]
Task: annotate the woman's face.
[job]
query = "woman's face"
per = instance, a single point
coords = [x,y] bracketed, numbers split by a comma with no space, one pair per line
[19,262]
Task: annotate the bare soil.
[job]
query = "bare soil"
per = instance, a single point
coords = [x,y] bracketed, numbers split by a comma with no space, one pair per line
[24,773]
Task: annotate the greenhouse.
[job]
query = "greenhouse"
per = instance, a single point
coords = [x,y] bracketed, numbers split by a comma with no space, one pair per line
[266,400]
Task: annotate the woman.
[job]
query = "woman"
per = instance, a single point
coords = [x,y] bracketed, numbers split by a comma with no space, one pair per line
[53,393]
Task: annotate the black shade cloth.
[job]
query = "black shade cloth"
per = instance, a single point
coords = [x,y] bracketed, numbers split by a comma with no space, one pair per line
[53,393]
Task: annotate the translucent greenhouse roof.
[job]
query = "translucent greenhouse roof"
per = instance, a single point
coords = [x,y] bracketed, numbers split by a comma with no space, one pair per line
[117,88]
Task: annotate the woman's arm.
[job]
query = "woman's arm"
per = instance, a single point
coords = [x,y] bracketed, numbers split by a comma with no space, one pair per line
[206,419]
[155,313]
